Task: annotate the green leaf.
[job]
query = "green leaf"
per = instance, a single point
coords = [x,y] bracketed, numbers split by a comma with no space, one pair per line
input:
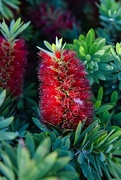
[90,78]
[7,172]
[78,131]
[114,169]
[57,144]
[87,130]
[48,45]
[114,136]
[81,158]
[13,4]
[102,157]
[14,25]
[15,29]
[103,108]
[93,48]
[99,53]
[100,75]
[90,37]
[117,116]
[53,137]
[91,135]
[67,175]
[84,169]
[8,12]
[4,28]
[47,164]
[40,125]
[82,52]
[114,97]
[84,141]
[4,136]
[109,148]
[61,163]
[97,104]
[118,48]
[11,153]
[2,97]
[100,94]
[103,139]
[106,116]
[30,143]
[6,122]
[20,30]
[84,45]
[42,150]
[119,76]
[81,37]
[101,43]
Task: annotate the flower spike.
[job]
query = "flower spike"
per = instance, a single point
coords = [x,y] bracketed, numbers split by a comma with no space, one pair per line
[65,93]
[13,56]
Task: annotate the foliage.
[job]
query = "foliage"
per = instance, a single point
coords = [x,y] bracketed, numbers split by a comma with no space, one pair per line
[110,19]
[117,66]
[110,14]
[104,112]
[37,162]
[5,122]
[93,150]
[31,148]
[114,84]
[6,103]
[95,55]
[16,27]
[97,151]
[28,97]
[7,7]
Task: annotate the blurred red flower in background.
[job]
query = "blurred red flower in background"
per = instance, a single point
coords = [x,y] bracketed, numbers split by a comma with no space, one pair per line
[52,21]
[12,65]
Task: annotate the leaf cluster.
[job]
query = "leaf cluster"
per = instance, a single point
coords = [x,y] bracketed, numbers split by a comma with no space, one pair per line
[110,14]
[114,84]
[95,55]
[7,7]
[105,111]
[16,27]
[31,161]
[94,151]
[5,134]
[110,20]
[97,151]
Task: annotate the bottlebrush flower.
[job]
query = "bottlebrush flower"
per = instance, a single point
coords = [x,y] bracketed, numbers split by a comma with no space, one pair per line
[65,93]
[52,20]
[13,55]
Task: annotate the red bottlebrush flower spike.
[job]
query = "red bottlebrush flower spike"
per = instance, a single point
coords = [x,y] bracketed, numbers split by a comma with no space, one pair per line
[13,55]
[65,93]
[12,65]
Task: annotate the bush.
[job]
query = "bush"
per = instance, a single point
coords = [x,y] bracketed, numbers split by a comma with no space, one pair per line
[60,106]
